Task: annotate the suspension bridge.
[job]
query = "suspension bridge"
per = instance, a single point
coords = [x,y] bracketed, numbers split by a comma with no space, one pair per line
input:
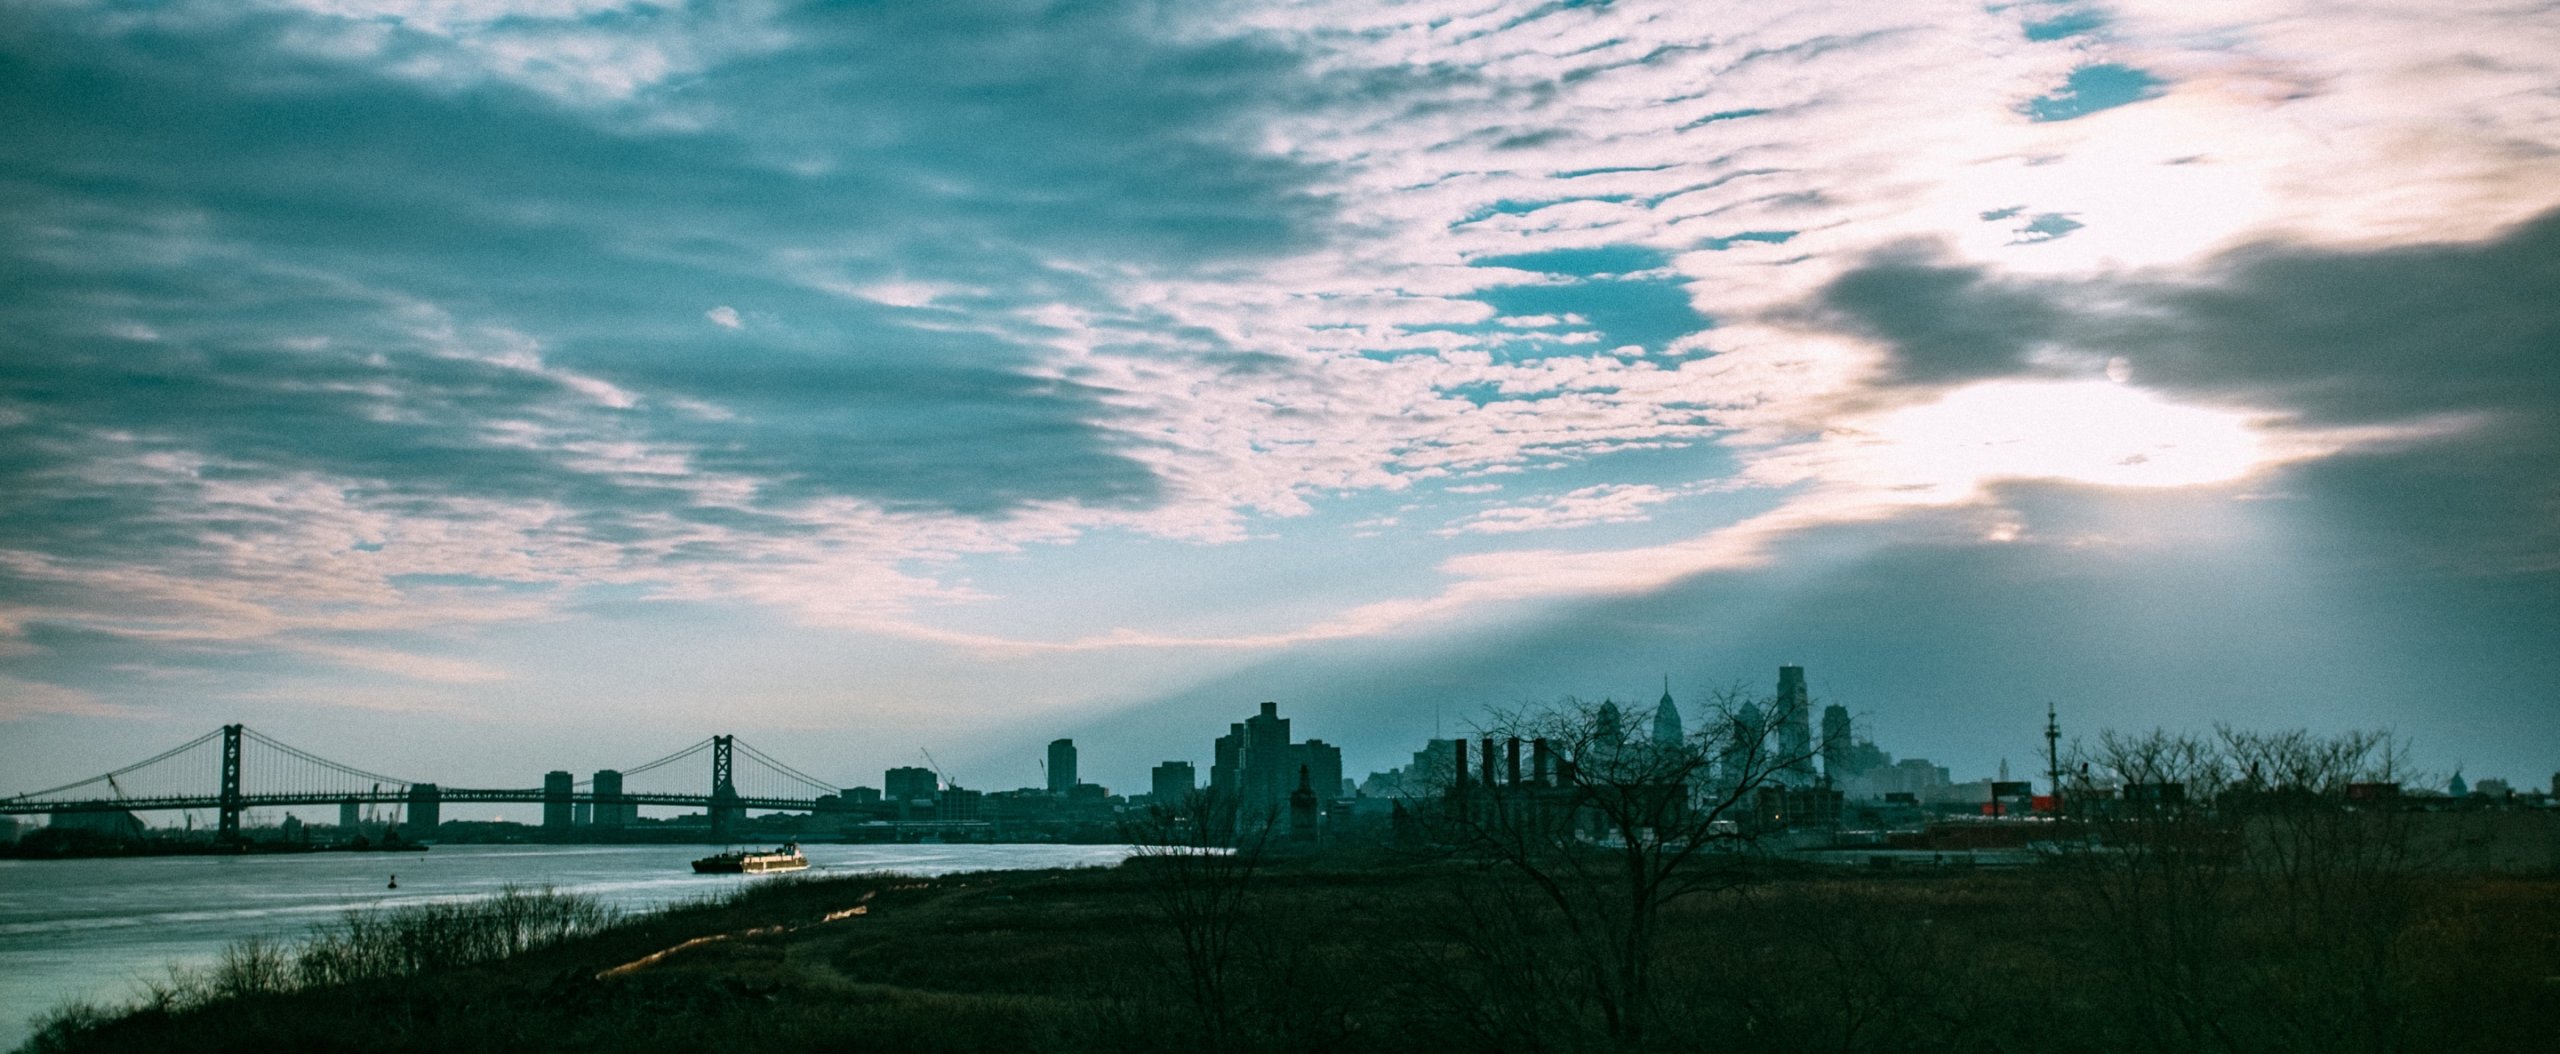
[235,768]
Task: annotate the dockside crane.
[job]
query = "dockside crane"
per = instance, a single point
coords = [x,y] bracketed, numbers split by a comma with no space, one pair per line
[941,781]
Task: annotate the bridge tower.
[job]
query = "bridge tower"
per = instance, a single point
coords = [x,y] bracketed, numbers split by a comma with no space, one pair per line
[559,788]
[724,788]
[230,831]
[426,811]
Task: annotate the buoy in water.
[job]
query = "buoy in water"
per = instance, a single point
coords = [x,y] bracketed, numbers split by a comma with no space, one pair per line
[395,882]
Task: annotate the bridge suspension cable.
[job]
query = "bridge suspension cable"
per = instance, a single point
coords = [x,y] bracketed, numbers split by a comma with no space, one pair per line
[299,754]
[142,764]
[787,770]
[703,744]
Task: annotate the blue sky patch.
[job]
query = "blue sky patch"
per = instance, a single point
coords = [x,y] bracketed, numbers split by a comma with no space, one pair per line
[1731,240]
[1649,313]
[1515,207]
[2071,23]
[2045,227]
[1611,170]
[2103,86]
[1583,263]
[1723,115]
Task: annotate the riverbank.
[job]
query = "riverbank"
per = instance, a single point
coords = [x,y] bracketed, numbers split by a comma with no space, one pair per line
[1404,955]
[97,929]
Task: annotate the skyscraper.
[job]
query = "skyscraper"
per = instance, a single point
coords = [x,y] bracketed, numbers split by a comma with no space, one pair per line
[1268,774]
[1174,781]
[1062,766]
[1835,744]
[1225,759]
[1746,748]
[1667,729]
[1322,763]
[911,784]
[1794,718]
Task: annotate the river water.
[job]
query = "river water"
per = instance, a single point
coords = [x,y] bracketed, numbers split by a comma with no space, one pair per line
[93,929]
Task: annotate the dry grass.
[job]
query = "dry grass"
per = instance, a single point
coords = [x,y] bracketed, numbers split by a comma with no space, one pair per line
[1374,958]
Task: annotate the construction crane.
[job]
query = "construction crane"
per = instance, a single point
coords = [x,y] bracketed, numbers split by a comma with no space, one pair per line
[122,796]
[941,782]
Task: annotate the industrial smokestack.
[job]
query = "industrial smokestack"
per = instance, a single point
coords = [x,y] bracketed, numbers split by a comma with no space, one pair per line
[1513,748]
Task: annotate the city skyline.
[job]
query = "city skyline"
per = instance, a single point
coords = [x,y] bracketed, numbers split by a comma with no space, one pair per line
[488,387]
[1256,764]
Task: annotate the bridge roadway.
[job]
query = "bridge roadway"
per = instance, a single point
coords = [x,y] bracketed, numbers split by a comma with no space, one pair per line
[444,795]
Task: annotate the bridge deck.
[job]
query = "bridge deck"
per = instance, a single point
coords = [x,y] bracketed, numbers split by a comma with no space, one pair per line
[443,795]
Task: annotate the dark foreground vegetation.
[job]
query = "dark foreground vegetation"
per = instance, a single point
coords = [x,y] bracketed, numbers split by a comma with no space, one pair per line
[1384,953]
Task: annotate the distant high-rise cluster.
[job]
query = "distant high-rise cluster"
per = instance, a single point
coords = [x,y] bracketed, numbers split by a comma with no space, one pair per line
[1263,771]
[1427,775]
[1783,737]
[1257,764]
[1855,766]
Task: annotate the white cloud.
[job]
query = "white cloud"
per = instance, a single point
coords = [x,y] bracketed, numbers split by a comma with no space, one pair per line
[903,293]
[21,699]
[1606,503]
[593,54]
[1875,126]
[1667,125]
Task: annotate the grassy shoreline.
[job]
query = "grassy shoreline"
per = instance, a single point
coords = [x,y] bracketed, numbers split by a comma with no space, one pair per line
[1357,954]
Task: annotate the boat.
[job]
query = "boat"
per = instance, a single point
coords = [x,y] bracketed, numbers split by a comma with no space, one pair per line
[748,862]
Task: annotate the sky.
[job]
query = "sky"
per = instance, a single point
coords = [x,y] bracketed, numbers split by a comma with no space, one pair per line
[468,388]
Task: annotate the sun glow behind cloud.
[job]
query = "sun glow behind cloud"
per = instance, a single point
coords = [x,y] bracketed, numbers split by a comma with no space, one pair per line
[1951,451]
[2093,432]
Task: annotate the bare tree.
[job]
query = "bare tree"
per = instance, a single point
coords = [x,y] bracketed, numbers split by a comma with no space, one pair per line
[2159,884]
[1197,859]
[1610,831]
[2330,857]
[2206,842]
